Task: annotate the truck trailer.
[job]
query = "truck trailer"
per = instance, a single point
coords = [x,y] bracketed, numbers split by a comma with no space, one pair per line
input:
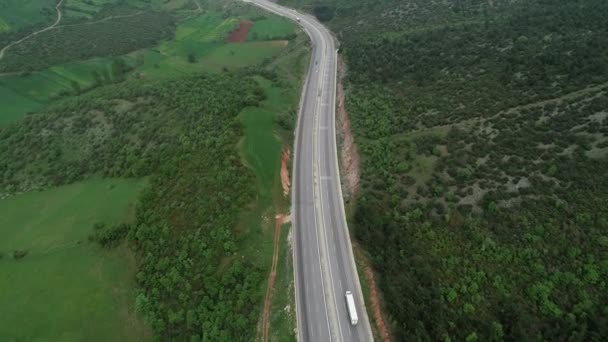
[352,310]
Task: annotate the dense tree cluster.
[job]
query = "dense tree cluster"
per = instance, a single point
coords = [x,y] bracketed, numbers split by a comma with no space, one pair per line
[192,282]
[109,236]
[483,132]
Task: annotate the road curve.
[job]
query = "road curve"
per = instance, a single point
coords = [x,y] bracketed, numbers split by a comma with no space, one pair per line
[324,264]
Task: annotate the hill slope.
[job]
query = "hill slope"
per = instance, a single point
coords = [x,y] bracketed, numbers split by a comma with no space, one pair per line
[483,133]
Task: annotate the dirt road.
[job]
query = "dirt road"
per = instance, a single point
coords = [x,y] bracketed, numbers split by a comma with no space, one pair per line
[59,16]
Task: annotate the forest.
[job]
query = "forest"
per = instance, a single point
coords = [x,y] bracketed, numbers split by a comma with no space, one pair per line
[192,282]
[102,38]
[146,102]
[483,134]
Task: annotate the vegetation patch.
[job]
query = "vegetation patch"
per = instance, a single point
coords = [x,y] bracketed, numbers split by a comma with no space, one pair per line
[199,272]
[18,14]
[272,28]
[70,43]
[52,263]
[483,141]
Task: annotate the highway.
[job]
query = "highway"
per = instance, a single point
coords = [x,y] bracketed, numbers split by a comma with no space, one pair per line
[324,264]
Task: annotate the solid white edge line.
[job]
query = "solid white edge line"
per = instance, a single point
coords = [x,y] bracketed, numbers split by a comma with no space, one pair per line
[341,197]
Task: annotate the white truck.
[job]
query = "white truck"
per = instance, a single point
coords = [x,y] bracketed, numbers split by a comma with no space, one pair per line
[352,310]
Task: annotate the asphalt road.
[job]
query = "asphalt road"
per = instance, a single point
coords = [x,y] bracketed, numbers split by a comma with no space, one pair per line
[323,259]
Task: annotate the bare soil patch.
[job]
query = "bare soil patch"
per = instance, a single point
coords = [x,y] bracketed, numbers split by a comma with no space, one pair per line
[280,219]
[374,297]
[349,152]
[240,34]
[285,171]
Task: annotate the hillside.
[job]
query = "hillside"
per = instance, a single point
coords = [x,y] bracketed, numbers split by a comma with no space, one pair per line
[140,161]
[483,138]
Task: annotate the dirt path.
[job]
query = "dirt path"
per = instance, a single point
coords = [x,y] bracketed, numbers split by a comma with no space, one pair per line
[280,219]
[200,9]
[374,297]
[59,16]
[556,100]
[285,171]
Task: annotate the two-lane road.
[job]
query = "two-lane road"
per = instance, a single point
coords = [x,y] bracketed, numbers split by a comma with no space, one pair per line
[323,260]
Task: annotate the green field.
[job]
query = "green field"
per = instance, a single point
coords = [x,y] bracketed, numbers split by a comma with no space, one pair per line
[261,147]
[20,94]
[271,28]
[14,105]
[66,288]
[201,37]
[244,54]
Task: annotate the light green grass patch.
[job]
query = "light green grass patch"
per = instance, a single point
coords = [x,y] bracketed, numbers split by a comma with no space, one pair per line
[83,7]
[157,65]
[271,29]
[210,27]
[173,5]
[4,26]
[261,148]
[243,54]
[83,72]
[77,14]
[20,94]
[66,288]
[15,105]
[198,36]
[39,86]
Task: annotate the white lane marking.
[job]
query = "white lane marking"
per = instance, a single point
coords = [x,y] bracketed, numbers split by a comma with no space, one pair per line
[317,165]
[302,99]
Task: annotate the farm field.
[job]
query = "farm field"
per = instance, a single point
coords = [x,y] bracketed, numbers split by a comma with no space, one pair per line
[67,288]
[25,93]
[199,46]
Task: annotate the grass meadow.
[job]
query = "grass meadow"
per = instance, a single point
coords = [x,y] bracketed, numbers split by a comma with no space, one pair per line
[66,288]
[271,28]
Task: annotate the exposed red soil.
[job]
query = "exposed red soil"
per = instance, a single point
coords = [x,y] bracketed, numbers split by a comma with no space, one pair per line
[350,167]
[374,297]
[285,171]
[349,152]
[240,34]
[280,219]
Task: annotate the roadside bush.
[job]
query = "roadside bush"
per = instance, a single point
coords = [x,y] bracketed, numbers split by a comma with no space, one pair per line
[109,237]
[19,254]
